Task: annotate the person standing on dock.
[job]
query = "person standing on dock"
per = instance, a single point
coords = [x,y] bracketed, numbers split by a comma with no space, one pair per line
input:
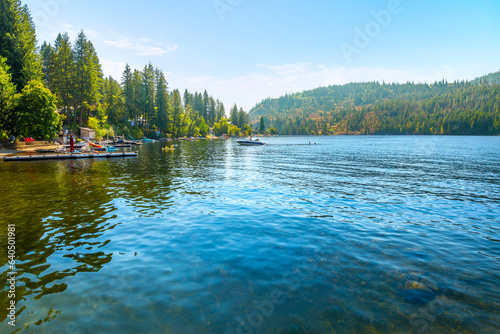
[71,144]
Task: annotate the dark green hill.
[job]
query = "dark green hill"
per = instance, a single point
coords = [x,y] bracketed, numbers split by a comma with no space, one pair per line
[374,108]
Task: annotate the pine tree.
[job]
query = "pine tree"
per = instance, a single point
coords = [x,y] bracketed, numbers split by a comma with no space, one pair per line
[221,111]
[46,52]
[198,103]
[176,113]
[138,95]
[162,102]
[234,115]
[87,78]
[206,102]
[242,119]
[18,43]
[113,102]
[128,92]
[262,126]
[212,113]
[7,94]
[187,98]
[148,102]
[61,72]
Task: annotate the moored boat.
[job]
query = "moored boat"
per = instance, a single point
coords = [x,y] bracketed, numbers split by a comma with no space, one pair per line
[250,143]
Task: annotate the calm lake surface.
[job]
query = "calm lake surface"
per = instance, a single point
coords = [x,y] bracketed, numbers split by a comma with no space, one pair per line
[351,235]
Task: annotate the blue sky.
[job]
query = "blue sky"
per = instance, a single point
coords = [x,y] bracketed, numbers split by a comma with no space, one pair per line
[244,51]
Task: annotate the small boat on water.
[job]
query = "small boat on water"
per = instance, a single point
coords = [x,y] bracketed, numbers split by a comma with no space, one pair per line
[250,142]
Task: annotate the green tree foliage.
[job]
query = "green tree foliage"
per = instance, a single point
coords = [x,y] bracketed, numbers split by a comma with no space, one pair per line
[206,102]
[242,119]
[35,114]
[101,127]
[212,110]
[162,106]
[60,72]
[233,130]
[233,115]
[221,127]
[202,126]
[248,130]
[128,92]
[187,98]
[88,78]
[176,113]
[113,103]
[148,101]
[8,96]
[47,53]
[220,111]
[262,125]
[18,43]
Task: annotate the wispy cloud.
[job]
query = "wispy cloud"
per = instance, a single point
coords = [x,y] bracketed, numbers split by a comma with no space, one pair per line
[144,46]
[276,80]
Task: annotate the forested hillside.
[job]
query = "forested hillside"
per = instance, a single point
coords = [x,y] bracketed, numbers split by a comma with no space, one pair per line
[455,108]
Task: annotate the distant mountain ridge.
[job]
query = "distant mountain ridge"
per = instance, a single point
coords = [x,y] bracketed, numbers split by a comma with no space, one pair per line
[492,78]
[373,108]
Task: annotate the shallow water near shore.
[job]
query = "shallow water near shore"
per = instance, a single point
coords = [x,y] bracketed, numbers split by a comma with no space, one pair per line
[368,234]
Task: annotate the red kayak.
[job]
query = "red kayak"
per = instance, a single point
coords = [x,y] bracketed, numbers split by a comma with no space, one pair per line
[95,145]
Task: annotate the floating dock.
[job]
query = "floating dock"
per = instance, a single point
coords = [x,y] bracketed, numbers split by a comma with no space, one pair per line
[69,156]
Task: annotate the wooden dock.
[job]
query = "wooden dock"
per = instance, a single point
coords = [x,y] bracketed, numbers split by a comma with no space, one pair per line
[69,156]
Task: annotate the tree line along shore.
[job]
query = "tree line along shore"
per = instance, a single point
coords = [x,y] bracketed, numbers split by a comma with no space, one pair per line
[43,89]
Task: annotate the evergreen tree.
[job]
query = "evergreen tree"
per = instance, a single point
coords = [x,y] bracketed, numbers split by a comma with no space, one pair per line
[221,111]
[113,102]
[262,126]
[187,98]
[176,114]
[87,78]
[138,95]
[61,69]
[162,102]
[212,113]
[18,43]
[198,103]
[234,115]
[128,92]
[148,102]
[46,52]
[242,119]
[206,102]
[8,98]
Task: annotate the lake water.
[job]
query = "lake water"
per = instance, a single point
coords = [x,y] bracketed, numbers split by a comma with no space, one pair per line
[351,235]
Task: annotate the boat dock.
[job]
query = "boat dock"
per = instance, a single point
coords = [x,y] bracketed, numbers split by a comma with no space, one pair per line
[69,156]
